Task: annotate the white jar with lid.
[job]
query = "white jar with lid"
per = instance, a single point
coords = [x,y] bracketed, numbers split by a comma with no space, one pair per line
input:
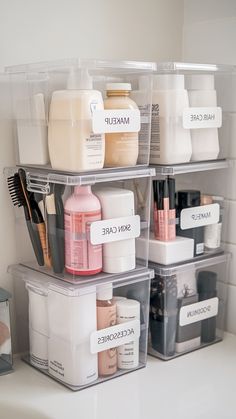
[202,93]
[170,142]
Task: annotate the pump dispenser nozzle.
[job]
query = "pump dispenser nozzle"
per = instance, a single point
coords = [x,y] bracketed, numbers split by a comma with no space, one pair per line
[79,79]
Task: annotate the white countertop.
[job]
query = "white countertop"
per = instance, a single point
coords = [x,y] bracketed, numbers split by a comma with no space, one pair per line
[200,385]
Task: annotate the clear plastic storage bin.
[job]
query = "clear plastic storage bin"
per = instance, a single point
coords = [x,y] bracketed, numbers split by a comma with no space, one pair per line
[187,306]
[191,113]
[79,115]
[85,334]
[6,359]
[82,226]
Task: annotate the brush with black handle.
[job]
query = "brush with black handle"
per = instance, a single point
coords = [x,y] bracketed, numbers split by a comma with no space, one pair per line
[19,200]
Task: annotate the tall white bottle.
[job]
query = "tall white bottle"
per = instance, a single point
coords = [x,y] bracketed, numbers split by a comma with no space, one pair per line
[202,93]
[72,144]
[170,142]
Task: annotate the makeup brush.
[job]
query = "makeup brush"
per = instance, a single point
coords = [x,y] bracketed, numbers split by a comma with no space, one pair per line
[19,200]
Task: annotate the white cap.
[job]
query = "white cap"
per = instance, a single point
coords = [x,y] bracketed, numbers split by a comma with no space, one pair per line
[118,298]
[200,82]
[127,310]
[168,82]
[118,86]
[104,292]
[79,79]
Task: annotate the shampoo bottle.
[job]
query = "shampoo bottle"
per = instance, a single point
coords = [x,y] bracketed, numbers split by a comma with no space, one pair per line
[72,144]
[201,92]
[121,147]
[81,208]
[106,317]
[170,142]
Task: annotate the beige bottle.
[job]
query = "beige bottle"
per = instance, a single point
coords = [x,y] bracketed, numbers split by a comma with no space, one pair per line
[106,317]
[121,147]
[72,144]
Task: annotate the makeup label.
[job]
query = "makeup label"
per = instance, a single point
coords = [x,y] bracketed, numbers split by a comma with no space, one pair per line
[115,229]
[208,117]
[196,312]
[114,336]
[199,216]
[116,120]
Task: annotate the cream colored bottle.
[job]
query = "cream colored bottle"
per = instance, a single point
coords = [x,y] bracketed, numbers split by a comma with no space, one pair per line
[121,147]
[72,144]
[106,317]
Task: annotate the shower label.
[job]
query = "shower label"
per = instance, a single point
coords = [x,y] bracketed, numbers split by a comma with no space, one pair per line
[114,336]
[115,229]
[210,117]
[196,312]
[116,120]
[199,216]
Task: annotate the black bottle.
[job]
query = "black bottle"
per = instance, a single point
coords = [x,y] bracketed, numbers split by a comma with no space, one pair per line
[188,199]
[206,284]
[163,314]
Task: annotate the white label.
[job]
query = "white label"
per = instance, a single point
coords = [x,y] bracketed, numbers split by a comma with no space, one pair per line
[210,117]
[199,216]
[196,312]
[116,120]
[114,336]
[115,229]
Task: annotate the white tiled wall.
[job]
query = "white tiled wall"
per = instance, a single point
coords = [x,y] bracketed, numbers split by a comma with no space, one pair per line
[209,35]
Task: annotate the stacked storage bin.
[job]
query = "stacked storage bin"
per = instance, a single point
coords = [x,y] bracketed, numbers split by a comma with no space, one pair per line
[84,183]
[189,144]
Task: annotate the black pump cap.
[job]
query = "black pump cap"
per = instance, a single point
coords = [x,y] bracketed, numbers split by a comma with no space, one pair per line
[171,183]
[189,198]
[206,282]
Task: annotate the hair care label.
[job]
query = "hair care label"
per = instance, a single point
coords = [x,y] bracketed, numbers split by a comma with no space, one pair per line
[196,312]
[209,117]
[115,229]
[116,120]
[114,336]
[199,216]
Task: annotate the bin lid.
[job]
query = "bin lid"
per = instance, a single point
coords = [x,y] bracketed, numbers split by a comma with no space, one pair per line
[4,295]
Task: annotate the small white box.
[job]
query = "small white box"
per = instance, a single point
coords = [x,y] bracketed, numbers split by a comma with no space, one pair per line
[166,253]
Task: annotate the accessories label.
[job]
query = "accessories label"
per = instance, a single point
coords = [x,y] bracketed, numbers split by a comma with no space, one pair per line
[116,120]
[114,336]
[199,216]
[209,117]
[196,312]
[115,229]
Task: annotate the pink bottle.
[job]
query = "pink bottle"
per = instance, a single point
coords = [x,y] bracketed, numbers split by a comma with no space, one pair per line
[81,257]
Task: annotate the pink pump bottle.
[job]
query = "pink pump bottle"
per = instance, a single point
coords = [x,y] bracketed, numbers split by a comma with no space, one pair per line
[81,208]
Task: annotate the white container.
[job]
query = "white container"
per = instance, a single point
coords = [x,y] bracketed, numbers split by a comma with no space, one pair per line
[118,256]
[72,319]
[72,144]
[202,94]
[31,127]
[170,142]
[128,354]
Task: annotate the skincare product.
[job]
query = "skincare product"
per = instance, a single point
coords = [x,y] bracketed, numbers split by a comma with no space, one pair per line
[72,144]
[5,333]
[81,209]
[170,142]
[106,317]
[189,199]
[206,284]
[163,314]
[118,256]
[122,148]
[128,354]
[202,94]
[72,320]
[32,130]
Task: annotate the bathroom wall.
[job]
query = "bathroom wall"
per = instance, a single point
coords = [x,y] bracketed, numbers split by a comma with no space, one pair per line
[47,29]
[209,35]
